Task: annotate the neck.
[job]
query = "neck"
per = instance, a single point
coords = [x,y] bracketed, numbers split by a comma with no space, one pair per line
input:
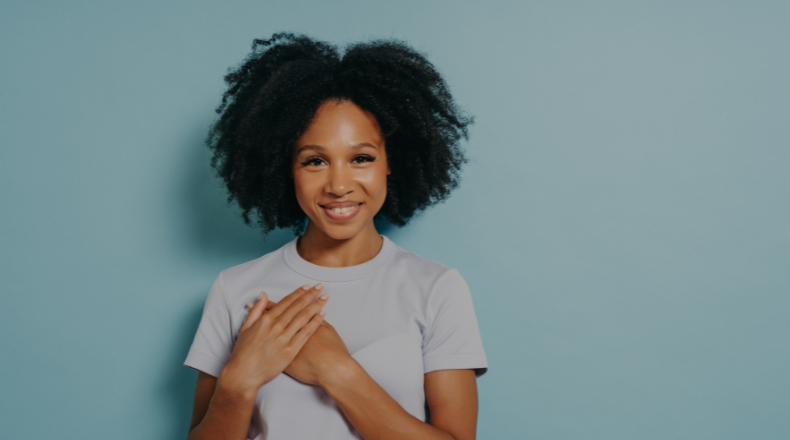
[318,248]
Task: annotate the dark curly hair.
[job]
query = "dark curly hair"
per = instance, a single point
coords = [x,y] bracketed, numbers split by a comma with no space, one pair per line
[274,94]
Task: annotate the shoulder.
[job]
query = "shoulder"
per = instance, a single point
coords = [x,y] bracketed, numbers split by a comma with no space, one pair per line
[249,275]
[430,274]
[252,267]
[408,260]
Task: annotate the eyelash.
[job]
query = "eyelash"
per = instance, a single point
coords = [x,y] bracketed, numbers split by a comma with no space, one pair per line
[312,159]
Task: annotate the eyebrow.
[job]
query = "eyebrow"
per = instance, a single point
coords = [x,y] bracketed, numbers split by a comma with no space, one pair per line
[320,148]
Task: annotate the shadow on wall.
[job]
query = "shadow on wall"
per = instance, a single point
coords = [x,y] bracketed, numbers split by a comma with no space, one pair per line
[214,228]
[178,381]
[214,235]
[214,232]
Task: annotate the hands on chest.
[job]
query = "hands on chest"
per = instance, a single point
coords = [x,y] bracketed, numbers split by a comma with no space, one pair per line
[290,336]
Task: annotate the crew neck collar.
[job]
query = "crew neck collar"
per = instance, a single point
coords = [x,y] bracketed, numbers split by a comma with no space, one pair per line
[335,274]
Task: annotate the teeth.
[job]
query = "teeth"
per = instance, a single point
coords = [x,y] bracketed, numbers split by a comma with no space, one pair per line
[344,210]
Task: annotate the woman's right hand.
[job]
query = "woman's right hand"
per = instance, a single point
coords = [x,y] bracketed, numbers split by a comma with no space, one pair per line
[269,341]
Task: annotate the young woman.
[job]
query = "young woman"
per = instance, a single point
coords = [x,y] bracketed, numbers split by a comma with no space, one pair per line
[340,333]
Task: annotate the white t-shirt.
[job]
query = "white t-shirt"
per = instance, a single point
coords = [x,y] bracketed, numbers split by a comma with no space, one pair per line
[400,316]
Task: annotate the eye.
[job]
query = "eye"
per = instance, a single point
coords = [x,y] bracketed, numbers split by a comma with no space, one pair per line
[312,161]
[363,158]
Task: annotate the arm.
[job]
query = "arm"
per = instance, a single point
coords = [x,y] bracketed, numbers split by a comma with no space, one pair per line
[452,400]
[226,411]
[451,396]
[266,344]
[451,393]
[218,412]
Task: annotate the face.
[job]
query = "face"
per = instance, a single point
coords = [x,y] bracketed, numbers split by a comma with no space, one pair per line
[340,170]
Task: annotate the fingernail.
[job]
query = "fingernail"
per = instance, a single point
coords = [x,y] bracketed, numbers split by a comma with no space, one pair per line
[306,287]
[318,286]
[322,312]
[261,295]
[324,296]
[250,305]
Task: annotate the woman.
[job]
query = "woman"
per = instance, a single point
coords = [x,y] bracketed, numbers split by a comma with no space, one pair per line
[340,333]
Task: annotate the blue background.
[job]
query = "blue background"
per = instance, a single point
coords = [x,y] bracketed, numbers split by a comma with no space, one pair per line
[623,222]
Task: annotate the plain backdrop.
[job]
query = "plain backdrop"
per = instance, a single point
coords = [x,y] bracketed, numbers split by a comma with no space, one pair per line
[623,222]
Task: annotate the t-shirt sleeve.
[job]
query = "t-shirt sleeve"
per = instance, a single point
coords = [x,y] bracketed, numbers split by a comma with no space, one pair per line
[213,342]
[451,340]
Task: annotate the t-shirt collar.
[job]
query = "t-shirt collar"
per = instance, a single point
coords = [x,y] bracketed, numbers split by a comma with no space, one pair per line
[335,274]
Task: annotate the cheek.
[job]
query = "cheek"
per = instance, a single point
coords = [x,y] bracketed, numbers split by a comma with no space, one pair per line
[376,183]
[305,186]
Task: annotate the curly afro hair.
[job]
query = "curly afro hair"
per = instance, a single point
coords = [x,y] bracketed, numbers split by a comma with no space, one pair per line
[274,94]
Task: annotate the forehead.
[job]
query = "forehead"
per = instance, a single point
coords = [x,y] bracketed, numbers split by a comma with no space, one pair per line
[340,124]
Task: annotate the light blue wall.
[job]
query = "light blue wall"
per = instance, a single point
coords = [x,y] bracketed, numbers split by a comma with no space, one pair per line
[624,223]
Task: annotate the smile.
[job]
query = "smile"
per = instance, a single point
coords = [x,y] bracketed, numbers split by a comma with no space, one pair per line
[346,213]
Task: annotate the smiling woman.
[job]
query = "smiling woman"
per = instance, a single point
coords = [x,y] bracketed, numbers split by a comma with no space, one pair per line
[340,173]
[324,144]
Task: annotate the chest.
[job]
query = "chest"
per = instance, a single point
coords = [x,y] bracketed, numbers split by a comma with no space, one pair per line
[381,322]
[390,351]
[389,348]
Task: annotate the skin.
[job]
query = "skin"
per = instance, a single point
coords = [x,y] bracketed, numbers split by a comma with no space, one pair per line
[340,157]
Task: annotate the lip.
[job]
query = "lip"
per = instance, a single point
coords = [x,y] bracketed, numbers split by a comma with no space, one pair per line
[344,217]
[345,204]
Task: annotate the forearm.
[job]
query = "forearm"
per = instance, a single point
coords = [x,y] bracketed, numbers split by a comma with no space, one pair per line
[372,411]
[228,416]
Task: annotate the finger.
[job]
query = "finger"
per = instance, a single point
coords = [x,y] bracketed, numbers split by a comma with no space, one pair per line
[251,304]
[284,303]
[304,334]
[255,312]
[299,304]
[303,316]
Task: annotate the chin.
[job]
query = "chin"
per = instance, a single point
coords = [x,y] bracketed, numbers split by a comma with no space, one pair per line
[341,232]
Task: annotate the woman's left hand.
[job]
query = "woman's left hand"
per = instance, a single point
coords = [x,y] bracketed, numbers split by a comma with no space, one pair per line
[320,357]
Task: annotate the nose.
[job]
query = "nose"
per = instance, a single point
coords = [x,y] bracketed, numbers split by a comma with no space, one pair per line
[339,181]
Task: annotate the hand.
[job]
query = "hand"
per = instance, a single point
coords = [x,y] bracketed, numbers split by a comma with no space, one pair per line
[269,341]
[320,357]
[324,350]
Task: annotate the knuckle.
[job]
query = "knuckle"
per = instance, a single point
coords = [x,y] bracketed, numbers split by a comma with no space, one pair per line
[265,320]
[278,327]
[284,341]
